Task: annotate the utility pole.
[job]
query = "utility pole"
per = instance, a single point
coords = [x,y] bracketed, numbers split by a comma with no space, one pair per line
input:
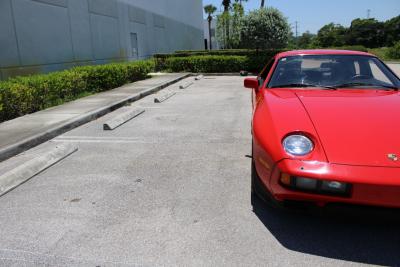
[296,28]
[368,13]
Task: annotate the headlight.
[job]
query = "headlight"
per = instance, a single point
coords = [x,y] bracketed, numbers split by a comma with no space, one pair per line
[297,145]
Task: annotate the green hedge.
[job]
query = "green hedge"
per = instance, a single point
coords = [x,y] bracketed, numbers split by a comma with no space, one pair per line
[24,95]
[227,52]
[255,59]
[206,64]
[394,52]
[352,47]
[247,52]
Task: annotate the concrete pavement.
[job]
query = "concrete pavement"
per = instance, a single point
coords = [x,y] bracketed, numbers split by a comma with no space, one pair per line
[28,131]
[395,67]
[25,132]
[172,188]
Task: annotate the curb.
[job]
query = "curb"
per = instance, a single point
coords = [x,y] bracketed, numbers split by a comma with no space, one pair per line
[28,143]
[31,168]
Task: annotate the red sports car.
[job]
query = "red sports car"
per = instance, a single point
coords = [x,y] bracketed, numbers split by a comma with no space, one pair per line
[326,129]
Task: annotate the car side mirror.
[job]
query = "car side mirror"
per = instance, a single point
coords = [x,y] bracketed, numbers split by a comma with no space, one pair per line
[251,83]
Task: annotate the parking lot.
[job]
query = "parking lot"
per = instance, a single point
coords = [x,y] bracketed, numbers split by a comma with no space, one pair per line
[172,187]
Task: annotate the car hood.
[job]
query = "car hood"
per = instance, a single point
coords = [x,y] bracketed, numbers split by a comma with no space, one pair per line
[356,127]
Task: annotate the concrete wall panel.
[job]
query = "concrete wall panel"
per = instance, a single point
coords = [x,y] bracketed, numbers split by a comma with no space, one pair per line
[8,41]
[124,33]
[104,7]
[158,21]
[44,35]
[140,30]
[80,30]
[105,37]
[150,34]
[63,3]
[160,40]
[137,14]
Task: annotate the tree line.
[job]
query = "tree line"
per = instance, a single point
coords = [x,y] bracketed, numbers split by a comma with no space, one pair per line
[369,33]
[269,28]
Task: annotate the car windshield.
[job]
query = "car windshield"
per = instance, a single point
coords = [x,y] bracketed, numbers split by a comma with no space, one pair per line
[333,71]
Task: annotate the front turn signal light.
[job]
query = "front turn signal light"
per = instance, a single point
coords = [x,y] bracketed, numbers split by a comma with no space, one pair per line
[285,179]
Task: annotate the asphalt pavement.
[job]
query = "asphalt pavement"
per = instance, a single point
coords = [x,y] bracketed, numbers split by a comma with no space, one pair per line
[171,187]
[25,132]
[395,67]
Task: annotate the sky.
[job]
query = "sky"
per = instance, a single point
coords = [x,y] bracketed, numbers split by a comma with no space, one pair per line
[313,14]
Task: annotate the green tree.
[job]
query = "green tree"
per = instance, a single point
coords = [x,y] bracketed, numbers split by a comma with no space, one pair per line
[229,25]
[227,5]
[392,31]
[367,32]
[331,35]
[265,28]
[236,25]
[306,40]
[221,30]
[226,21]
[240,2]
[210,10]
[292,41]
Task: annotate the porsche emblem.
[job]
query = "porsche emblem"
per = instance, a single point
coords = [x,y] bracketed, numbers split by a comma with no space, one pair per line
[393,157]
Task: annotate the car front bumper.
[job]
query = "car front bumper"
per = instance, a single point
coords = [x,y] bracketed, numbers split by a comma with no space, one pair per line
[378,186]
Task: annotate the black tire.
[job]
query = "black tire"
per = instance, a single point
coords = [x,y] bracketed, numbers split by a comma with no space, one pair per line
[254,196]
[259,193]
[258,190]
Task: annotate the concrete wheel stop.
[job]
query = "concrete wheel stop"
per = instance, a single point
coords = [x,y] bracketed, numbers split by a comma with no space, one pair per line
[122,118]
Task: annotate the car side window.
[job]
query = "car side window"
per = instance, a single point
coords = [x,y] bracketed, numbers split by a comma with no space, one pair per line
[357,68]
[264,73]
[377,74]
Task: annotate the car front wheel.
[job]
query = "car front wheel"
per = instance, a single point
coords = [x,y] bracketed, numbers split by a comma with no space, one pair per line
[258,190]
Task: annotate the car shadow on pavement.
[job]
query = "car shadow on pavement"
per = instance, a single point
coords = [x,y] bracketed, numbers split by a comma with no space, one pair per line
[356,234]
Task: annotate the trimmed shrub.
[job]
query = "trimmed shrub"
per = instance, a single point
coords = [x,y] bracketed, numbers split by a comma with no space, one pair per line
[352,47]
[222,52]
[256,59]
[394,52]
[206,64]
[24,95]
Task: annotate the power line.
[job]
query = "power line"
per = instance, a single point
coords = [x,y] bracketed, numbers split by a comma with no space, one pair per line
[368,13]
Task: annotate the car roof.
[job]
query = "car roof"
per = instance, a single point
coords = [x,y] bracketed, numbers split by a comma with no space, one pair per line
[322,52]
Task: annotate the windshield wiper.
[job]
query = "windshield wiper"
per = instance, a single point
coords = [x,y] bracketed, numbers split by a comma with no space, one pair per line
[303,85]
[388,87]
[365,84]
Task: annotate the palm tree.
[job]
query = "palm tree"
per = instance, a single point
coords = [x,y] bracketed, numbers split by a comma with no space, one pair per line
[262,3]
[226,4]
[240,1]
[210,9]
